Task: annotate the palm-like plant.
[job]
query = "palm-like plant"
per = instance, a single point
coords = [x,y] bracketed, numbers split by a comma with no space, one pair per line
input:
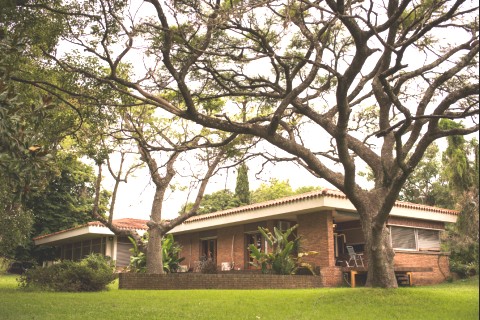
[170,254]
[284,257]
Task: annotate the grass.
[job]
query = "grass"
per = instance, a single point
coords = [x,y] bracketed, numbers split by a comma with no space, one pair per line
[458,300]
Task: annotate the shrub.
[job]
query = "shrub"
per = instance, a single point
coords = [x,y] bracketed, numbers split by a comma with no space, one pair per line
[170,253]
[208,266]
[93,273]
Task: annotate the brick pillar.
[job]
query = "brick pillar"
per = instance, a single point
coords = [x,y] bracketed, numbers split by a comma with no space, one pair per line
[316,232]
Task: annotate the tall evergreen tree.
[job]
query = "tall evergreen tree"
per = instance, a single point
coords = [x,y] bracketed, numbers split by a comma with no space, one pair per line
[242,189]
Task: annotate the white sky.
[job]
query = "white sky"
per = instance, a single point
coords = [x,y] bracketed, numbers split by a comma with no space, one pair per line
[134,199]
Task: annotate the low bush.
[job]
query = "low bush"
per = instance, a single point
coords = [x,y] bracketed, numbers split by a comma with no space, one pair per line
[93,273]
[208,266]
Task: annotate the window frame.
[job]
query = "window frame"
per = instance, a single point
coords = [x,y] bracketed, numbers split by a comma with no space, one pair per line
[415,230]
[207,241]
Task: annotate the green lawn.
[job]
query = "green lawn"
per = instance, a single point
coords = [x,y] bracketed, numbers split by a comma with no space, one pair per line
[457,300]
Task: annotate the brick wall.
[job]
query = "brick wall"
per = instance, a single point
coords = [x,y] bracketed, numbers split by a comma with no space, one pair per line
[437,261]
[190,248]
[331,276]
[316,232]
[183,281]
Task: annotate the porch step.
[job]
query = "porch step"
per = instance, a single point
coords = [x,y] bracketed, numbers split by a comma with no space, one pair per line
[403,280]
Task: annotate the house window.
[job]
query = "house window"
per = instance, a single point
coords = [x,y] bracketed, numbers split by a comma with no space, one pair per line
[209,249]
[255,239]
[405,238]
[77,251]
[86,248]
[68,251]
[123,252]
[283,225]
[428,240]
[98,246]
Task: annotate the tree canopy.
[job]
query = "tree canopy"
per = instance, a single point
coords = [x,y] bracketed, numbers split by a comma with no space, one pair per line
[373,79]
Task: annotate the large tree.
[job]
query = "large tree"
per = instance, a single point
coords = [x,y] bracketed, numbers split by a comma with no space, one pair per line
[339,86]
[164,145]
[28,138]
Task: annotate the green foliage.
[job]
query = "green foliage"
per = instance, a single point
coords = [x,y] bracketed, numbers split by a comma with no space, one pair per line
[217,201]
[170,253]
[68,198]
[170,256]
[463,237]
[4,262]
[451,183]
[275,190]
[426,185]
[23,164]
[31,125]
[66,201]
[242,189]
[138,259]
[458,172]
[93,273]
[283,256]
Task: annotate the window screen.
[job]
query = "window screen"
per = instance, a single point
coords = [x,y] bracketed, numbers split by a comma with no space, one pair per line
[403,238]
[428,240]
[123,254]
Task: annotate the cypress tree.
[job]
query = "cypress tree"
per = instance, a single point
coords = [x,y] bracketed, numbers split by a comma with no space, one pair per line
[242,189]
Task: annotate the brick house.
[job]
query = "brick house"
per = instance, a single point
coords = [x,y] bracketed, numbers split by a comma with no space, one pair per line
[327,223]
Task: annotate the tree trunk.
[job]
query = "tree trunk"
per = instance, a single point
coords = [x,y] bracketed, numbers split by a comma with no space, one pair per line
[154,247]
[154,251]
[380,255]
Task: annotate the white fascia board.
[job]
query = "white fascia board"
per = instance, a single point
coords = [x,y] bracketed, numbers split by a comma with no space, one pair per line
[397,211]
[422,214]
[302,207]
[54,238]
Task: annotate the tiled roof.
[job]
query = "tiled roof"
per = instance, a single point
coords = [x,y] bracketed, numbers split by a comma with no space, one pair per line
[125,223]
[139,224]
[306,196]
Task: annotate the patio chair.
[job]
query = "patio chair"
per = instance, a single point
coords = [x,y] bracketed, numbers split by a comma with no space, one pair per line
[356,258]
